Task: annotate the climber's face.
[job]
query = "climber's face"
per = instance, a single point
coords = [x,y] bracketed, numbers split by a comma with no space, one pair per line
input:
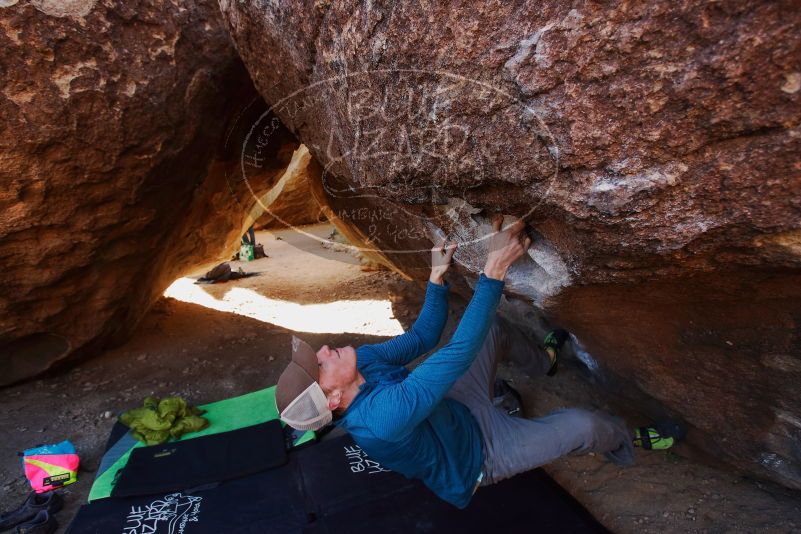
[337,370]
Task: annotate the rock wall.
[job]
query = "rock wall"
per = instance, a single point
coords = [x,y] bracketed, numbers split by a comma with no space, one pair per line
[652,147]
[115,174]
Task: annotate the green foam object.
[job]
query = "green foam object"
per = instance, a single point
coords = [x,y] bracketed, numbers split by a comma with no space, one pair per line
[225,415]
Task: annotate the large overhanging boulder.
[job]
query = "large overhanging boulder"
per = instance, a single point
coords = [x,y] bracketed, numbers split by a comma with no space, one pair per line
[653,148]
[114,169]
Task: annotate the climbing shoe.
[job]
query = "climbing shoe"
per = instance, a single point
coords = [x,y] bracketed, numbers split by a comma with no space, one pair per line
[659,437]
[552,343]
[507,397]
[42,523]
[34,504]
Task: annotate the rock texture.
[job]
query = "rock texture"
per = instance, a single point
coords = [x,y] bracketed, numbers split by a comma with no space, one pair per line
[290,201]
[115,175]
[653,148]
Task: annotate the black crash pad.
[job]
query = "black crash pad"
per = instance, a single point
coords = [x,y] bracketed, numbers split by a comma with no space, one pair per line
[347,493]
[333,487]
[178,465]
[264,503]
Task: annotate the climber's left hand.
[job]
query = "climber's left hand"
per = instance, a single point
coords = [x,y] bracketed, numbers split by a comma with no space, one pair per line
[441,258]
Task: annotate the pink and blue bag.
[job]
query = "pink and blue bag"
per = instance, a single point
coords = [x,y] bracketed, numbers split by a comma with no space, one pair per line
[48,467]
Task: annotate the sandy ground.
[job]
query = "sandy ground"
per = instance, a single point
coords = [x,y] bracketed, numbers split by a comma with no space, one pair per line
[207,354]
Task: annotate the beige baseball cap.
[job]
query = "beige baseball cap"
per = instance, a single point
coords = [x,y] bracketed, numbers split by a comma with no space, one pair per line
[300,400]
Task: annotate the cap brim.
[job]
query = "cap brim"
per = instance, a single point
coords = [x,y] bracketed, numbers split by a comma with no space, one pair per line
[301,372]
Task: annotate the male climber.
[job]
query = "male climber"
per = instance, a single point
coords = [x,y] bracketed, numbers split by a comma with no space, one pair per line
[437,423]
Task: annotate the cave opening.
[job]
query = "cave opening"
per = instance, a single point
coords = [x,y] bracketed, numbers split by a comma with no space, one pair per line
[305,283]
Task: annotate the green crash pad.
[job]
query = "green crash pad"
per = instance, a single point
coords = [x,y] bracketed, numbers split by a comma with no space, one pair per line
[225,415]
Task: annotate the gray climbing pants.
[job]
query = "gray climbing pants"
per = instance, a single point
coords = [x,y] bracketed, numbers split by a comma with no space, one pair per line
[513,445]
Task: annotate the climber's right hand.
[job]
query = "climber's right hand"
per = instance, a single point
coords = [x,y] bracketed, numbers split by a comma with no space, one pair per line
[505,247]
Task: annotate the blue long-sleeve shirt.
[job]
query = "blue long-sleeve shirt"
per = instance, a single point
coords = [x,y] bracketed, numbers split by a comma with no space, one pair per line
[402,419]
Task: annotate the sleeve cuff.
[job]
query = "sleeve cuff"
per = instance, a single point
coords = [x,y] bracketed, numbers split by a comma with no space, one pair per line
[495,284]
[436,287]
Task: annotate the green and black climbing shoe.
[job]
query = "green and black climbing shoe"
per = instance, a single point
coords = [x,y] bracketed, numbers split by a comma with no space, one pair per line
[659,437]
[552,343]
[649,438]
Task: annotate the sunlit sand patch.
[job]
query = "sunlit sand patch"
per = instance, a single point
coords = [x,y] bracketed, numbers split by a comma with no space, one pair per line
[342,316]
